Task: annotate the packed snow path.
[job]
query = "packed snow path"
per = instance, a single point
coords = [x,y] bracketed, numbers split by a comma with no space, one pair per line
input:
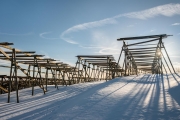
[148,97]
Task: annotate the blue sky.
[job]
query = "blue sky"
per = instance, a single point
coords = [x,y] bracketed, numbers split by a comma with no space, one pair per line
[62,29]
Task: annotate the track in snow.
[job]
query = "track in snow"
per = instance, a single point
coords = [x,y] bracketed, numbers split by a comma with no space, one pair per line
[134,97]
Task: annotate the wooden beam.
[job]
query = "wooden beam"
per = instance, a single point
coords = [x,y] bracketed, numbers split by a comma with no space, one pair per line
[6,43]
[147,48]
[142,42]
[142,51]
[19,52]
[143,37]
[143,56]
[94,56]
[5,90]
[25,56]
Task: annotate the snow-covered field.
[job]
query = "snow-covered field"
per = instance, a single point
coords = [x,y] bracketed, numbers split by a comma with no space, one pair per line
[147,97]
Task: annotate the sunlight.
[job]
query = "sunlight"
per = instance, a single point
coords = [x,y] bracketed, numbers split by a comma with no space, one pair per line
[159,53]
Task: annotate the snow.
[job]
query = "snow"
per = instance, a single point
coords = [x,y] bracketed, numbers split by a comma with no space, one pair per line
[148,97]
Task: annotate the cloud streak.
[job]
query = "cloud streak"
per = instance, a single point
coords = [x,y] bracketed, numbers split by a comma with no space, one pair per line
[44,33]
[152,30]
[85,26]
[167,10]
[109,51]
[174,24]
[130,26]
[68,40]
[90,47]
[91,25]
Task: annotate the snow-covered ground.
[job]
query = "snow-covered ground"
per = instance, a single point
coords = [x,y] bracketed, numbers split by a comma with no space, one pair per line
[147,97]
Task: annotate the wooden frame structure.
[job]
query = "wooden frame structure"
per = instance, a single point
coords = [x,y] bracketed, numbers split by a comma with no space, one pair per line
[103,67]
[33,75]
[145,56]
[42,71]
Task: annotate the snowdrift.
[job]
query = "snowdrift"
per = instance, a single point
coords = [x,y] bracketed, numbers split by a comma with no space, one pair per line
[146,97]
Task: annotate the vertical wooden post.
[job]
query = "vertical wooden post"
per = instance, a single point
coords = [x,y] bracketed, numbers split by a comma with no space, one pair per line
[123,67]
[85,71]
[56,78]
[33,77]
[64,77]
[98,73]
[28,75]
[78,69]
[103,74]
[10,78]
[46,78]
[1,84]
[119,56]
[107,70]
[40,81]
[89,71]
[125,57]
[94,72]
[15,71]
[161,55]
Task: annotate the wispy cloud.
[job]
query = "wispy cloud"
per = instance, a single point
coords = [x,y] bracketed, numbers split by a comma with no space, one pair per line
[90,25]
[130,26]
[112,51]
[152,30]
[174,24]
[91,47]
[13,34]
[44,33]
[105,44]
[103,49]
[167,10]
[69,40]
[85,26]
